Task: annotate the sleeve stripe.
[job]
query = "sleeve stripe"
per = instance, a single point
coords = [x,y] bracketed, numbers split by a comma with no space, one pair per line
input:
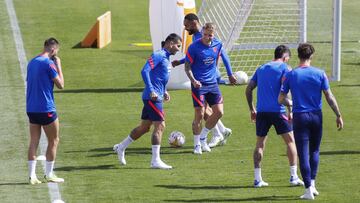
[53,67]
[151,62]
[188,55]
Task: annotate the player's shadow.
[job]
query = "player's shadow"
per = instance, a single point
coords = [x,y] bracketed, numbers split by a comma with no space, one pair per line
[341,152]
[100,90]
[12,184]
[264,198]
[349,85]
[101,152]
[204,187]
[77,168]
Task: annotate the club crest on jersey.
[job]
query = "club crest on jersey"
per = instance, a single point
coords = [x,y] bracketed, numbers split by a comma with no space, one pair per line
[201,97]
[208,60]
[215,49]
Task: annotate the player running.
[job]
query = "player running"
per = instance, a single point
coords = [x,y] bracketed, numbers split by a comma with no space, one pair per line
[155,74]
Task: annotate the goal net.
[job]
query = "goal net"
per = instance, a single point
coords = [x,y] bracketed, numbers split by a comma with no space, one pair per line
[251,29]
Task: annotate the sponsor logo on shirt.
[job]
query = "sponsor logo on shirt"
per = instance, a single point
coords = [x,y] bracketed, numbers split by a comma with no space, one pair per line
[208,60]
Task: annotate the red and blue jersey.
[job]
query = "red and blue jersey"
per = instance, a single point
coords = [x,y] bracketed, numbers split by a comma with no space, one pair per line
[268,78]
[306,84]
[203,59]
[155,74]
[39,91]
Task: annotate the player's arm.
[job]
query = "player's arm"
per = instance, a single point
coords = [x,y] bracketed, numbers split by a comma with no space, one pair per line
[166,96]
[175,63]
[249,97]
[189,59]
[59,79]
[190,75]
[226,61]
[330,98]
[145,73]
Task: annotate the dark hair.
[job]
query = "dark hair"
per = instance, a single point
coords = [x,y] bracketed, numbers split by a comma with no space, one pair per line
[305,51]
[162,44]
[173,37]
[191,17]
[280,51]
[51,42]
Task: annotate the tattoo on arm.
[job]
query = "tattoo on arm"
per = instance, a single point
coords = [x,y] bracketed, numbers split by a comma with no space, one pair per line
[189,72]
[330,98]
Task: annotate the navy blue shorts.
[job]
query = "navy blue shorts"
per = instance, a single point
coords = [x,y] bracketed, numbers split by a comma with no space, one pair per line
[42,118]
[209,93]
[153,111]
[264,121]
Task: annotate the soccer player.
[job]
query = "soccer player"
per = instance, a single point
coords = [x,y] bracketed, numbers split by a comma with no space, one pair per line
[43,72]
[306,84]
[220,132]
[269,112]
[155,74]
[200,66]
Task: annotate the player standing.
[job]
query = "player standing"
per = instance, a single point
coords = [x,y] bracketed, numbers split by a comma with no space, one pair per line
[269,112]
[306,84]
[155,74]
[200,67]
[220,132]
[42,72]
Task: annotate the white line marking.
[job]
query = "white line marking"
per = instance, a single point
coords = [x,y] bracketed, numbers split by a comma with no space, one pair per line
[54,191]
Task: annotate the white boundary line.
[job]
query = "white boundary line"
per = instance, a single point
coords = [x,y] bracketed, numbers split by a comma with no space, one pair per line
[54,191]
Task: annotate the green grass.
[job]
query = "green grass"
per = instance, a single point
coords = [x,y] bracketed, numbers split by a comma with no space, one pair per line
[102,103]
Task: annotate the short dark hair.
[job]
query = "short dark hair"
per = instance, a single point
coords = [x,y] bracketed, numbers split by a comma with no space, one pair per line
[280,51]
[173,37]
[191,17]
[51,42]
[305,51]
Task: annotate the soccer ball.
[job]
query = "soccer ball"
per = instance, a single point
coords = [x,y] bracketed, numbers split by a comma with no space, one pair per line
[241,77]
[176,139]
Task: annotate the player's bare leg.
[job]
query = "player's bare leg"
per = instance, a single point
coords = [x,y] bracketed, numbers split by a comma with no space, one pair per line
[257,156]
[156,162]
[196,127]
[35,132]
[135,134]
[292,156]
[52,134]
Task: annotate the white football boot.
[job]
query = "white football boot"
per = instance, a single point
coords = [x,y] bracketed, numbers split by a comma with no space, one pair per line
[296,181]
[226,134]
[121,154]
[261,183]
[205,147]
[215,140]
[197,149]
[308,194]
[158,164]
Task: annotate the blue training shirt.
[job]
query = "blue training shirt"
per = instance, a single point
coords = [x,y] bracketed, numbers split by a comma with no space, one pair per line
[203,59]
[306,84]
[155,74]
[268,78]
[39,92]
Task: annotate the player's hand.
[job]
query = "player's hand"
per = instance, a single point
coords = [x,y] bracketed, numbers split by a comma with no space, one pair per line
[339,123]
[175,63]
[56,60]
[153,96]
[196,83]
[290,116]
[253,116]
[166,97]
[232,79]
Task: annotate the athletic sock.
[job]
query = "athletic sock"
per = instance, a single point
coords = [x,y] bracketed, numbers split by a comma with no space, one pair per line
[221,126]
[216,131]
[293,171]
[257,173]
[155,153]
[196,140]
[203,134]
[32,168]
[49,167]
[126,142]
